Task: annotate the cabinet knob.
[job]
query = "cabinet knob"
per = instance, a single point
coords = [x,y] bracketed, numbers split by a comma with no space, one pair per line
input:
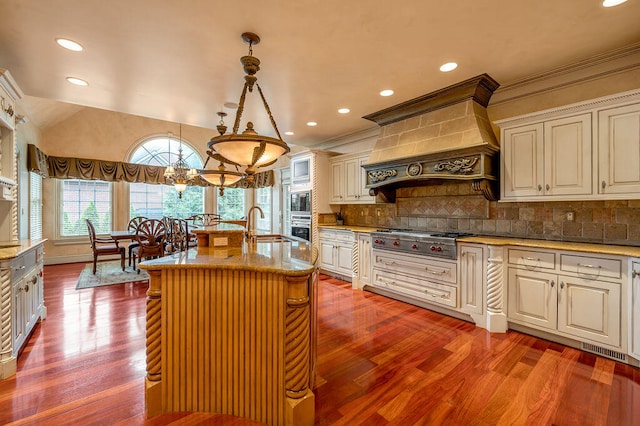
[553,283]
[548,187]
[561,284]
[34,280]
[26,288]
[539,187]
[634,273]
[604,184]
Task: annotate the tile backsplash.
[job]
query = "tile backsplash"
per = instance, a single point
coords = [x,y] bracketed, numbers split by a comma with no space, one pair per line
[456,207]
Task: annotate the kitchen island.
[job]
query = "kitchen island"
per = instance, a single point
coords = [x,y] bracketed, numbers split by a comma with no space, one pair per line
[233,331]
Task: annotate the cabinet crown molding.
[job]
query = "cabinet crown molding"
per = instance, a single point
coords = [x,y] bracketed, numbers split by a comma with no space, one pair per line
[618,99]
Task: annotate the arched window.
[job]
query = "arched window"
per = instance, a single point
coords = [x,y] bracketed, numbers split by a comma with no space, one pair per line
[157,201]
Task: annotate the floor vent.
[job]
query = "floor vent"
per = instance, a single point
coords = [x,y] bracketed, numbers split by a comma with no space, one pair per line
[604,352]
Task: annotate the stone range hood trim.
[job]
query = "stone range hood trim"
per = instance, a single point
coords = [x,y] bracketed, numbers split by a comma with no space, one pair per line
[444,135]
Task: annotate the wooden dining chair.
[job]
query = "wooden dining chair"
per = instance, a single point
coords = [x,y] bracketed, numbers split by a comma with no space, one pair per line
[177,236]
[103,246]
[133,226]
[151,236]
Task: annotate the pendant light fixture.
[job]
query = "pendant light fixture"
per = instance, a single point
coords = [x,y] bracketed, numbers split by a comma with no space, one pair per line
[179,174]
[222,177]
[248,149]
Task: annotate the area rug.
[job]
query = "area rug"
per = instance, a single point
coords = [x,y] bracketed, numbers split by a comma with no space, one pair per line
[108,273]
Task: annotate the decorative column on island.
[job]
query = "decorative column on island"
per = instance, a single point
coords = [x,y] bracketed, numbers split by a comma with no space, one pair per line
[232,330]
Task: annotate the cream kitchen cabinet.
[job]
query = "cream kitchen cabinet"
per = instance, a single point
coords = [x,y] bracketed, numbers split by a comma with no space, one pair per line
[365,255]
[575,295]
[22,293]
[336,251]
[348,180]
[472,278]
[634,310]
[548,159]
[619,150]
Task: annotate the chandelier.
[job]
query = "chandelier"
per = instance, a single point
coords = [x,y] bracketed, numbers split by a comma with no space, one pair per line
[179,174]
[221,177]
[248,149]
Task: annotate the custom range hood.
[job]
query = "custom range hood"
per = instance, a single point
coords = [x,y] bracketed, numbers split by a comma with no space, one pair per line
[444,135]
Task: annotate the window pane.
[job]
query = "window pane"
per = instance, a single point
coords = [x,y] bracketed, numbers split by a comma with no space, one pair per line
[156,201]
[35,206]
[231,204]
[85,199]
[263,200]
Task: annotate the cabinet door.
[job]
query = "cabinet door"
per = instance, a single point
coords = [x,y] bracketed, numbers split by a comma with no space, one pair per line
[619,150]
[364,259]
[327,257]
[337,182]
[567,156]
[634,311]
[523,161]
[344,258]
[532,298]
[362,182]
[19,321]
[589,309]
[472,278]
[352,180]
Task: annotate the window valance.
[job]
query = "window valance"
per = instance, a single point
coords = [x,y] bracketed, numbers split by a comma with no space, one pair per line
[116,171]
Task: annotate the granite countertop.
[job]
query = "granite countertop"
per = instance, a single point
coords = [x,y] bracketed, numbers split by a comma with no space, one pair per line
[11,249]
[222,226]
[633,251]
[280,257]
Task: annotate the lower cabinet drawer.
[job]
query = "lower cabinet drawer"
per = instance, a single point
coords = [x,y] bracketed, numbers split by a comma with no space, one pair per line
[420,289]
[439,270]
[594,267]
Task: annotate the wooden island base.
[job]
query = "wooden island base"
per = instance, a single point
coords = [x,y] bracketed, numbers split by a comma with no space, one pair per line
[233,332]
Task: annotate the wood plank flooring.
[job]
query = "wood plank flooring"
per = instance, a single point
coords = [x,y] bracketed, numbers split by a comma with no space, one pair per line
[380,362]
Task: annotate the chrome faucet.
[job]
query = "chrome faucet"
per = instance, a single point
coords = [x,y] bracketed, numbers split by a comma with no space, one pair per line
[250,224]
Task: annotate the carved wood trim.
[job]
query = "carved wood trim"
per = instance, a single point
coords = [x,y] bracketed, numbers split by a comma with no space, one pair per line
[154,328]
[297,323]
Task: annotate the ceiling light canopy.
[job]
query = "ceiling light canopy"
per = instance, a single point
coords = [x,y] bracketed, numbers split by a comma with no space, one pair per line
[77,81]
[386,92]
[611,3]
[248,149]
[344,110]
[449,66]
[69,44]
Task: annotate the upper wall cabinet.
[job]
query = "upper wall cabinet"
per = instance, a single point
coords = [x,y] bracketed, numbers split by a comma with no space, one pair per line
[619,150]
[584,151]
[348,180]
[9,94]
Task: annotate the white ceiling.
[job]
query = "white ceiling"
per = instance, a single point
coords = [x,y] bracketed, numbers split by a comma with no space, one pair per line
[179,60]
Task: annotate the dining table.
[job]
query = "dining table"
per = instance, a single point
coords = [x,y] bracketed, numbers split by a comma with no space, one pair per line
[128,234]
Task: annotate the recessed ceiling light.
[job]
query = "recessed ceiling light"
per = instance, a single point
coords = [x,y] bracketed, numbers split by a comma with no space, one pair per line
[312,123]
[611,3]
[289,133]
[386,92]
[344,110]
[449,66]
[77,81]
[69,44]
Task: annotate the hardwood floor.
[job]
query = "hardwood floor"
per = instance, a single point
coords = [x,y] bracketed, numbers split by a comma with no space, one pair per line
[380,362]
